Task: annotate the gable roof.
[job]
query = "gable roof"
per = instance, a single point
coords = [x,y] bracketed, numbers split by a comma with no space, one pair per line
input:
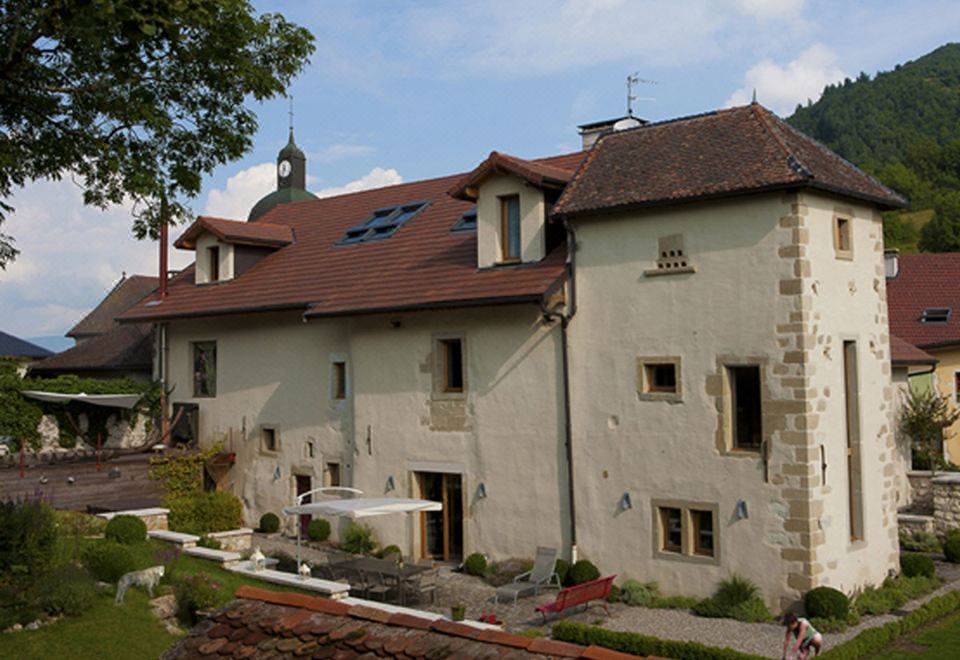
[721,153]
[905,354]
[122,348]
[535,173]
[235,231]
[422,265]
[11,346]
[289,625]
[124,295]
[925,281]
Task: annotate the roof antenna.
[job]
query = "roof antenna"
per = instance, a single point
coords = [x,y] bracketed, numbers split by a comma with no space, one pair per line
[290,112]
[754,102]
[635,79]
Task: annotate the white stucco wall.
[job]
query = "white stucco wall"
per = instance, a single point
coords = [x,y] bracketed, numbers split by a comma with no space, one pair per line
[532,217]
[204,242]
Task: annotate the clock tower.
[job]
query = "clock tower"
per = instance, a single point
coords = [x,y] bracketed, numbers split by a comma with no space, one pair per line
[291,166]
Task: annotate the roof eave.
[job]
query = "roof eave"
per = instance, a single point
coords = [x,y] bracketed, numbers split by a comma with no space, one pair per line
[531,298]
[210,313]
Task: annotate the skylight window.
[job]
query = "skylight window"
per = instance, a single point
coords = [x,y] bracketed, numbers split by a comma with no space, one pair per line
[382,223]
[935,315]
[467,222]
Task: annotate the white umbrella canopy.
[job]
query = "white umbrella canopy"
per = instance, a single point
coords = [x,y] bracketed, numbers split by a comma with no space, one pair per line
[364,507]
[106,400]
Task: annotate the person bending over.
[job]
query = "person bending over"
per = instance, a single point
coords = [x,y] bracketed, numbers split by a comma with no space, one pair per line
[807,637]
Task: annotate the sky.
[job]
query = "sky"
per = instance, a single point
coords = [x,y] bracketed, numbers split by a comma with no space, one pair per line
[399,91]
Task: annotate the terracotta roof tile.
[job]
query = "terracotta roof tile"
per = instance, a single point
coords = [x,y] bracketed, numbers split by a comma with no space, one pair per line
[409,621]
[925,281]
[539,174]
[722,153]
[554,648]
[904,353]
[236,231]
[422,264]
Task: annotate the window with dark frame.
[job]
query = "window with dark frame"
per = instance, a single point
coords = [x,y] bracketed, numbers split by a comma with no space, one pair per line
[452,355]
[205,369]
[842,235]
[339,380]
[745,407]
[382,223]
[935,315]
[956,386]
[466,223]
[333,475]
[701,523]
[268,439]
[213,256]
[671,526]
[661,378]
[510,228]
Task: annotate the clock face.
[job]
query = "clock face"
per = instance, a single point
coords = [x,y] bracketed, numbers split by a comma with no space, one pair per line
[284,168]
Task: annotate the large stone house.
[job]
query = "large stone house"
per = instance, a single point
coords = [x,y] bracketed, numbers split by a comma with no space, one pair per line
[667,353]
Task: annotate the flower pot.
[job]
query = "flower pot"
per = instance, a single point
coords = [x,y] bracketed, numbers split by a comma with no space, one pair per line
[458,612]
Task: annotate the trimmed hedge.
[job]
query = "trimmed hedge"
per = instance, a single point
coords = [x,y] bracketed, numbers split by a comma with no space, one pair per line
[637,644]
[826,603]
[318,529]
[269,523]
[951,548]
[913,564]
[202,513]
[126,529]
[475,564]
[582,571]
[871,641]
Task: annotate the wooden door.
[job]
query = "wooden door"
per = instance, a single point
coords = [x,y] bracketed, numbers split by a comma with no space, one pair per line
[441,532]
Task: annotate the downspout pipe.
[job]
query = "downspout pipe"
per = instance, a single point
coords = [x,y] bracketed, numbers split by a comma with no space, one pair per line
[564,321]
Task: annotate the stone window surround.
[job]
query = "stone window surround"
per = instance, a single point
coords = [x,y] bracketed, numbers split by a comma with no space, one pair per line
[436,391]
[643,387]
[276,439]
[842,213]
[724,437]
[687,553]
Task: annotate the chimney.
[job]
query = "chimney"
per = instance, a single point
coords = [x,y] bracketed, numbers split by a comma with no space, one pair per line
[590,133]
[891,263]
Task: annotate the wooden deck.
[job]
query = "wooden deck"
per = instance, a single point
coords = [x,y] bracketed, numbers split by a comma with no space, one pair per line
[122,483]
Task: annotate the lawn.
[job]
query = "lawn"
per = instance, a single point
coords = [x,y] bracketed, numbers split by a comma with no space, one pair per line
[940,641]
[116,631]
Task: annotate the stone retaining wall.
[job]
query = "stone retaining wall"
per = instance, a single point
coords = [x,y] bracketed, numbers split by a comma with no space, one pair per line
[921,495]
[915,523]
[946,502]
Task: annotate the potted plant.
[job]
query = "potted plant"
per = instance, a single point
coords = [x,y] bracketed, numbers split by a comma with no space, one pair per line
[458,612]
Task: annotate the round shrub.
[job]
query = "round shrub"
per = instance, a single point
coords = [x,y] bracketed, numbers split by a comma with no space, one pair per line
[128,530]
[475,564]
[107,561]
[269,523]
[195,592]
[951,548]
[561,568]
[389,550]
[68,590]
[359,539]
[827,603]
[582,571]
[318,529]
[912,565]
[639,594]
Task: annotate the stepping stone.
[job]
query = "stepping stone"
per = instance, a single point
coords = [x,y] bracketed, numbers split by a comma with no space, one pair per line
[221,556]
[185,540]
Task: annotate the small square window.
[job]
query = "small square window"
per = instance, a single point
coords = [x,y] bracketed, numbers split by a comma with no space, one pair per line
[671,529]
[269,440]
[841,237]
[339,380]
[661,378]
[701,523]
[205,369]
[331,475]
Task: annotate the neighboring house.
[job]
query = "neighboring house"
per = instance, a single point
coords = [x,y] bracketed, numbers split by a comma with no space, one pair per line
[924,301]
[909,362]
[19,349]
[106,349]
[668,353]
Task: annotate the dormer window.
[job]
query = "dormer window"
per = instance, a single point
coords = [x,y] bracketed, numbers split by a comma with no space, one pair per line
[466,223]
[935,315]
[510,228]
[213,261]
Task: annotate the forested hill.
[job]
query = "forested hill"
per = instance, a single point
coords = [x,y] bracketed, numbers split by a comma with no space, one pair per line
[873,122]
[902,126]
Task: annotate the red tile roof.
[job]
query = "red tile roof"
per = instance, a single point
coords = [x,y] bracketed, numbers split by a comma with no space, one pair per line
[235,231]
[288,625]
[903,353]
[422,265]
[722,153]
[925,281]
[540,175]
[126,292]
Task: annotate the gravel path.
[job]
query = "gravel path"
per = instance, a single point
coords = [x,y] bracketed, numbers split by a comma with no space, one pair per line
[763,639]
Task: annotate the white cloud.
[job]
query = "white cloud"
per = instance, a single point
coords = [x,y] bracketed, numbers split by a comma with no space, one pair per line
[71,256]
[243,190]
[771,9]
[781,88]
[337,152]
[378,177]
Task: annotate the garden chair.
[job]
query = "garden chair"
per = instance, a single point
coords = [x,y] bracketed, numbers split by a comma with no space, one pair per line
[541,575]
[420,585]
[377,584]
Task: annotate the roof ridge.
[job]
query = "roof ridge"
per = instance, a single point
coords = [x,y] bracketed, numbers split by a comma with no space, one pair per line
[793,162]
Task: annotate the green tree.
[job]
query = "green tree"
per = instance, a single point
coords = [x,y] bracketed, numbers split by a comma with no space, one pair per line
[942,233]
[924,418]
[135,98]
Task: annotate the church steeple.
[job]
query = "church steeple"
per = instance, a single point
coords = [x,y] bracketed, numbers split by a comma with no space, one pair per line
[291,166]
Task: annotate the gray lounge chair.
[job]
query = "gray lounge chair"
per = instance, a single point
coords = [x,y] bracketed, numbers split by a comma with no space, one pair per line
[541,575]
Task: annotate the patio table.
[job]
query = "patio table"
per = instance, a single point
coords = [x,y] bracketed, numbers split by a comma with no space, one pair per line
[385,567]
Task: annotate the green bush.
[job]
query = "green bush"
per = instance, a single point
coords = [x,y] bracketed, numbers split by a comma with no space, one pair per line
[561,568]
[195,592]
[359,539]
[107,561]
[286,563]
[752,610]
[68,590]
[269,523]
[615,595]
[28,536]
[736,597]
[639,594]
[736,590]
[582,571]
[642,645]
[674,602]
[475,564]
[919,585]
[712,608]
[207,542]
[318,529]
[826,603]
[128,530]
[389,550]
[502,572]
[202,513]
[912,565]
[919,541]
[951,548]
[894,593]
[76,523]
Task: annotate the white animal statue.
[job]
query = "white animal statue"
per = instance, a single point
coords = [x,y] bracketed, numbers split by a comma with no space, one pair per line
[148,578]
[259,561]
[305,571]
